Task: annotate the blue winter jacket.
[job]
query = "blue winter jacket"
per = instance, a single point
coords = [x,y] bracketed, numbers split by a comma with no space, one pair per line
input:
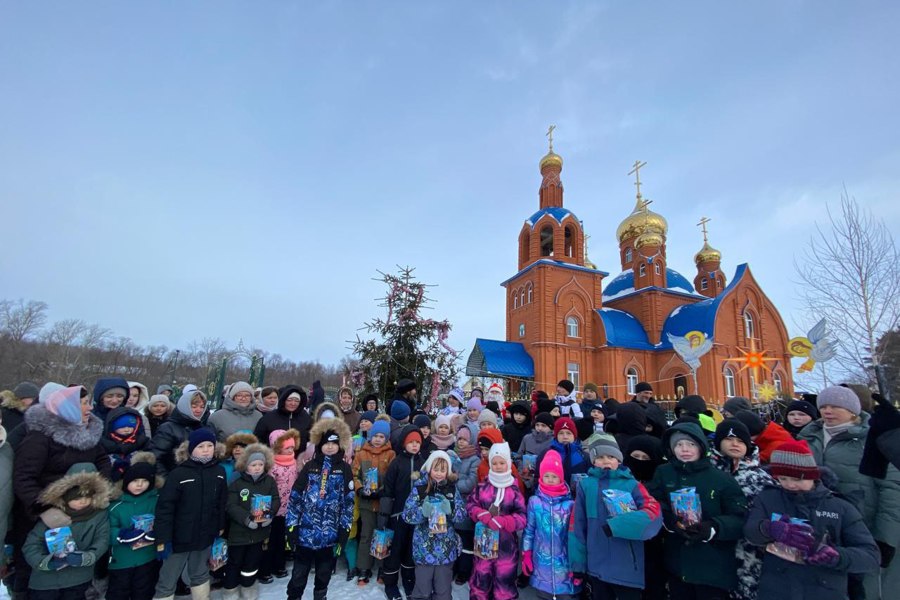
[618,559]
[574,459]
[321,502]
[547,536]
[439,548]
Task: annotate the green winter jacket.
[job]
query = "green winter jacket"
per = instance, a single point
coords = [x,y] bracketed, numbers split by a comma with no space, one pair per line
[123,556]
[877,499]
[722,501]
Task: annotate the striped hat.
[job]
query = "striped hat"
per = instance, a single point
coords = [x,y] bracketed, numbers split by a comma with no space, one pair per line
[794,459]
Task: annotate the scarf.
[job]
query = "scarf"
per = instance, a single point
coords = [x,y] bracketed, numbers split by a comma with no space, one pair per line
[261,407]
[467,453]
[560,489]
[285,461]
[203,460]
[541,436]
[442,442]
[834,430]
[501,480]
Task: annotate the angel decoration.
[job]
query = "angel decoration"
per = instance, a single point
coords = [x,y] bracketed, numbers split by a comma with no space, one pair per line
[815,347]
[690,348]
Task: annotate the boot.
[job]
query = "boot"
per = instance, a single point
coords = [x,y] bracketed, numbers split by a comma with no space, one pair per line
[232,594]
[200,592]
[181,588]
[320,594]
[251,592]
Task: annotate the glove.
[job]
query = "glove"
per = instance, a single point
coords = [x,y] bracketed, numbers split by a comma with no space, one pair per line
[251,524]
[887,554]
[265,522]
[795,535]
[826,556]
[577,578]
[75,559]
[56,563]
[527,563]
[507,522]
[699,532]
[130,535]
[163,551]
[53,518]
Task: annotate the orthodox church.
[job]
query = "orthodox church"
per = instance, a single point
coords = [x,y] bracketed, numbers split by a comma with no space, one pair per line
[565,318]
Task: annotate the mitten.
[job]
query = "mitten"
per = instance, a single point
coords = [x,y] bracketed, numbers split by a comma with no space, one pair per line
[53,518]
[130,535]
[163,551]
[56,563]
[485,518]
[75,559]
[251,524]
[527,563]
[826,556]
[887,554]
[507,522]
[795,535]
[700,532]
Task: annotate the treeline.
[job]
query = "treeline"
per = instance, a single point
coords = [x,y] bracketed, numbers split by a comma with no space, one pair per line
[73,351]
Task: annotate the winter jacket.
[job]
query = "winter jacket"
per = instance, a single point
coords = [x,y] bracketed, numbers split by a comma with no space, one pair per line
[616,559]
[174,432]
[121,512]
[514,433]
[52,445]
[722,502]
[89,532]
[285,475]
[547,537]
[826,513]
[877,499]
[119,449]
[768,441]
[512,515]
[190,511]
[398,482]
[466,481]
[232,418]
[630,422]
[280,418]
[6,483]
[240,498]
[434,548]
[369,456]
[656,417]
[322,519]
[574,459]
[13,411]
[143,401]
[317,395]
[351,418]
[534,443]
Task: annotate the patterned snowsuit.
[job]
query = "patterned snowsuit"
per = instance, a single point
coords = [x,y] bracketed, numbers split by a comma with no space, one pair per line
[496,579]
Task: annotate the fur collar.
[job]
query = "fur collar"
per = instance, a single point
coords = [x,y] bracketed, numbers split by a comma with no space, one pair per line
[10,401]
[80,436]
[95,483]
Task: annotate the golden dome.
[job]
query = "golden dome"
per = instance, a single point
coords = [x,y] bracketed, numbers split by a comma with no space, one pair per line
[589,264]
[707,254]
[552,159]
[640,221]
[649,238]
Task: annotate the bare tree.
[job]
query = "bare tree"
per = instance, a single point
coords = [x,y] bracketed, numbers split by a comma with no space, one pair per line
[850,273]
[21,320]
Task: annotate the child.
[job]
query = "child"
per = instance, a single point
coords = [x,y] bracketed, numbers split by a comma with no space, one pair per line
[598,416]
[83,495]
[423,423]
[234,447]
[486,440]
[566,400]
[832,540]
[799,414]
[608,546]
[398,479]
[699,557]
[545,556]
[470,458]
[443,438]
[320,510]
[190,514]
[455,400]
[519,425]
[284,449]
[487,419]
[132,565]
[377,454]
[435,542]
[540,437]
[249,520]
[157,411]
[473,409]
[123,435]
[366,420]
[565,442]
[498,504]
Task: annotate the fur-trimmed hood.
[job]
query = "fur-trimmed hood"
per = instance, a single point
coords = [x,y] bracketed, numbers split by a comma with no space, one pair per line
[317,412]
[71,435]
[238,439]
[181,452]
[8,400]
[277,440]
[336,424]
[139,457]
[240,466]
[97,486]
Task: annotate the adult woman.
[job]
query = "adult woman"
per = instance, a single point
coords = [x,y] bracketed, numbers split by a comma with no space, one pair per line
[288,415]
[187,417]
[238,414]
[268,399]
[109,393]
[348,410]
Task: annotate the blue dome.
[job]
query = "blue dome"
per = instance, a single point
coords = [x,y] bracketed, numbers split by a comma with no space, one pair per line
[623,284]
[557,212]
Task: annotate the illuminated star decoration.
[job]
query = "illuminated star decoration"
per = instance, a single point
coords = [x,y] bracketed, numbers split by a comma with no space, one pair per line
[766,391]
[753,359]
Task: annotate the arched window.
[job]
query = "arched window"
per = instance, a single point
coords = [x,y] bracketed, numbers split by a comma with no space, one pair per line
[522,330]
[749,326]
[729,382]
[776,380]
[530,293]
[643,270]
[704,284]
[570,242]
[522,297]
[515,300]
[628,255]
[631,377]
[573,374]
[572,327]
[657,268]
[547,241]
[525,250]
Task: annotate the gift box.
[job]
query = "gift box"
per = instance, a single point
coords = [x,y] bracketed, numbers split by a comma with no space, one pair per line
[381,543]
[437,520]
[487,542]
[145,524]
[686,506]
[618,502]
[784,551]
[529,463]
[60,541]
[219,555]
[261,508]
[370,481]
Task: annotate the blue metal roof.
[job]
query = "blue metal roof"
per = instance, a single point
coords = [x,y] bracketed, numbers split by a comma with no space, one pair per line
[493,357]
[557,212]
[623,284]
[700,316]
[623,330]
[555,263]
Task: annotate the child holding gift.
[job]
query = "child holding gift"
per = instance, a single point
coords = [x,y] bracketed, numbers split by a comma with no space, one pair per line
[375,454]
[284,446]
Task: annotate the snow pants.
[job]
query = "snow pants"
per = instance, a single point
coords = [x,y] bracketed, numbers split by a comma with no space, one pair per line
[133,583]
[495,579]
[433,582]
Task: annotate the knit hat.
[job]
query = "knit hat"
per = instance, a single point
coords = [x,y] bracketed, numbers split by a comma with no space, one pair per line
[411,435]
[426,468]
[489,437]
[592,387]
[405,385]
[140,470]
[487,416]
[733,428]
[382,427]
[329,435]
[733,405]
[198,436]
[794,459]
[804,407]
[752,420]
[159,398]
[839,396]
[458,394]
[566,385]
[474,404]
[26,389]
[369,415]
[465,433]
[65,403]
[545,405]
[238,387]
[692,404]
[519,406]
[605,446]
[678,436]
[643,386]
[564,423]
[443,420]
[552,463]
[422,421]
[500,449]
[124,420]
[399,410]
[164,388]
[545,418]
[256,456]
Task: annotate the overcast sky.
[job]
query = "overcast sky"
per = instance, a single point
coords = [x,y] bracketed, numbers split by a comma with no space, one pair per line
[177,170]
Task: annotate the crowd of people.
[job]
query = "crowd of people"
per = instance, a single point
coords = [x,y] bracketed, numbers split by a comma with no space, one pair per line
[115,493]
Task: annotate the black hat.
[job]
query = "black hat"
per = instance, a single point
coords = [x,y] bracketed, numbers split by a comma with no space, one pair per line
[140,470]
[804,407]
[566,385]
[733,428]
[329,435]
[693,404]
[643,387]
[541,395]
[519,406]
[545,418]
[545,405]
[421,420]
[585,428]
[752,421]
[405,385]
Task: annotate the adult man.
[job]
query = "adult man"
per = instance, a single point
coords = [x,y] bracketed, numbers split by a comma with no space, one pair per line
[656,418]
[405,391]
